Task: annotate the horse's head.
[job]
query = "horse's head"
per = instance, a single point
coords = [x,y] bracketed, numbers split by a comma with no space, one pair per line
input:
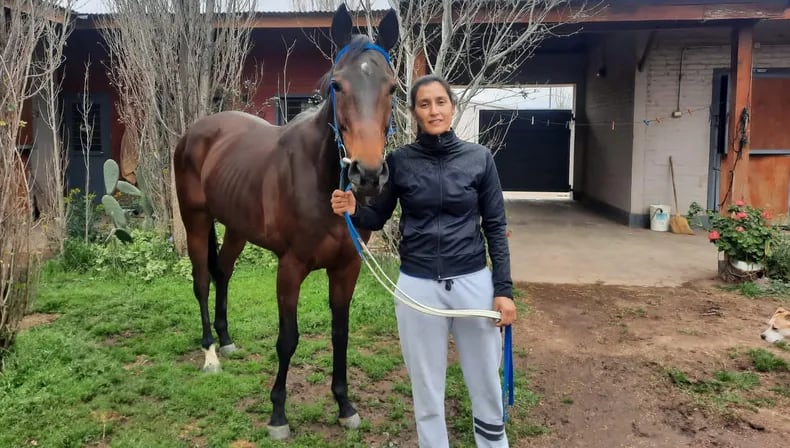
[361,88]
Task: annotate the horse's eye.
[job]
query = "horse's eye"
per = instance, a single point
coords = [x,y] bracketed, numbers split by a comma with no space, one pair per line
[336,85]
[392,89]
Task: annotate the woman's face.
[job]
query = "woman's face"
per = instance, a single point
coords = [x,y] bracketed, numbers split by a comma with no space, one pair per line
[433,109]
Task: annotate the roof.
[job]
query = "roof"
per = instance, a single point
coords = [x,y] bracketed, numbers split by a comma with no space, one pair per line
[261,6]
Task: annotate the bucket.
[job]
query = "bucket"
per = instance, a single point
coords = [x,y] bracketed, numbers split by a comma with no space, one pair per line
[659,217]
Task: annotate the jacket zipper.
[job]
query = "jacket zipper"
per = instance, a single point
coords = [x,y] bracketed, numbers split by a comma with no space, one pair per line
[438,222]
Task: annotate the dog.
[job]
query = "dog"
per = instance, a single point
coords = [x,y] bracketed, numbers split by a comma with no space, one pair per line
[778,327]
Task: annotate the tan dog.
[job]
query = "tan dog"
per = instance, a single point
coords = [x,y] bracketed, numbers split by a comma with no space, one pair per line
[778,327]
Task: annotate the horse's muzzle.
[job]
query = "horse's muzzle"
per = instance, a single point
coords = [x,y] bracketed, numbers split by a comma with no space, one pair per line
[368,182]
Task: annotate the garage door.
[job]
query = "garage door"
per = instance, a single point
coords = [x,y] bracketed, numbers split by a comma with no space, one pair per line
[536,151]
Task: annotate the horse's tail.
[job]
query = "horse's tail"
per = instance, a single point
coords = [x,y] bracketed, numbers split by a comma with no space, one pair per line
[213,256]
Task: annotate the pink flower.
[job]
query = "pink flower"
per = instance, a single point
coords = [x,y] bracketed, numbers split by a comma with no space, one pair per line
[713,235]
[740,215]
[508,233]
[766,215]
[739,229]
[740,203]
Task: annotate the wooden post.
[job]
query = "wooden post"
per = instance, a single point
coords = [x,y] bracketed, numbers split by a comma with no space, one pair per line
[420,64]
[735,166]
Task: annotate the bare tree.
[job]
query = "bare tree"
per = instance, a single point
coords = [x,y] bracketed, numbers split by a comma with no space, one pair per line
[172,63]
[47,160]
[86,145]
[24,38]
[473,44]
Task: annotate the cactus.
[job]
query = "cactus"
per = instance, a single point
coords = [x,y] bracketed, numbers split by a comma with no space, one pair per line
[111,205]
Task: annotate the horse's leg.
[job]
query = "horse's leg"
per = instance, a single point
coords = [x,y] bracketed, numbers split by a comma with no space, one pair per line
[290,274]
[341,288]
[198,225]
[232,246]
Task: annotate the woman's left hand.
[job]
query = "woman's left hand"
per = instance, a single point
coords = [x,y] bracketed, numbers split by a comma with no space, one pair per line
[507,307]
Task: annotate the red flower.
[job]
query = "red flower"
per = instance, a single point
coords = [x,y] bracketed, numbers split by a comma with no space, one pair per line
[766,215]
[739,229]
[740,215]
[713,235]
[740,203]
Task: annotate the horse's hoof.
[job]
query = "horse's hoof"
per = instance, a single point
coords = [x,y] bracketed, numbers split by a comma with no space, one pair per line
[279,432]
[226,350]
[212,368]
[352,422]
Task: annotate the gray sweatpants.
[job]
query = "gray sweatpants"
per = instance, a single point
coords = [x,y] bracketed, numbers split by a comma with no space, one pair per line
[424,343]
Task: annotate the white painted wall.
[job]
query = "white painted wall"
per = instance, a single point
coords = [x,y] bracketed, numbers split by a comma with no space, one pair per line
[687,138]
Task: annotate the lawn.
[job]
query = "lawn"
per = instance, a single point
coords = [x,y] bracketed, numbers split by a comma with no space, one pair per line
[119,366]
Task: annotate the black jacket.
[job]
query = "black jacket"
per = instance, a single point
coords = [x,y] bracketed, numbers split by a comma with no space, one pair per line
[450,198]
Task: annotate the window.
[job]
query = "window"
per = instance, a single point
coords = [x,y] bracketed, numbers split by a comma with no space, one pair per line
[86,129]
[290,106]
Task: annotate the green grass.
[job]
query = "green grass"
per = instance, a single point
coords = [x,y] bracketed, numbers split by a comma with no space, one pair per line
[119,368]
[749,387]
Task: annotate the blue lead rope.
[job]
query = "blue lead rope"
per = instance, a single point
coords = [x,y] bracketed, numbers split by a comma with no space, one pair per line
[508,385]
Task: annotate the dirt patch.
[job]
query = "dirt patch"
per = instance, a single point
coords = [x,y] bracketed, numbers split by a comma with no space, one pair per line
[36,319]
[599,356]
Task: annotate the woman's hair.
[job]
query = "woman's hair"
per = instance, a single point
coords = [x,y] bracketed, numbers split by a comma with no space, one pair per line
[427,79]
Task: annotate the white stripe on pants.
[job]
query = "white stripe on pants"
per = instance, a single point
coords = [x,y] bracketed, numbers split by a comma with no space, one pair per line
[424,344]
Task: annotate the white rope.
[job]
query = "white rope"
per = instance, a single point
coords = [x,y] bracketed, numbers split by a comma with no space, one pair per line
[409,301]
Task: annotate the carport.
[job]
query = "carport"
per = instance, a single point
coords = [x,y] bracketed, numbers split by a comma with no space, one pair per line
[561,241]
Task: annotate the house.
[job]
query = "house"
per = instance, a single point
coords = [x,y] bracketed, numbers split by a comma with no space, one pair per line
[702,81]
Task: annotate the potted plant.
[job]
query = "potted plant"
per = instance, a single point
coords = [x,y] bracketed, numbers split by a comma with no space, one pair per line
[744,235]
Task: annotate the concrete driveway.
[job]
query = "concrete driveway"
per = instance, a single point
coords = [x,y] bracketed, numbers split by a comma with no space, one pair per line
[562,242]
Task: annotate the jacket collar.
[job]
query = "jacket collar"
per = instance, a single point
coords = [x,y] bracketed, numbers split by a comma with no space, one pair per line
[444,142]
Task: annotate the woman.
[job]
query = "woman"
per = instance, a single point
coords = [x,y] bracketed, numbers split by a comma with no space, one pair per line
[449,191]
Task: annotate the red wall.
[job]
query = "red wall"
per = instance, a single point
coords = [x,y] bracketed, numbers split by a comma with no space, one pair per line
[305,66]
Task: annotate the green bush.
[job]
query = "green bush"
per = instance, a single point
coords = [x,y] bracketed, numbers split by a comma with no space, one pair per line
[150,255]
[778,263]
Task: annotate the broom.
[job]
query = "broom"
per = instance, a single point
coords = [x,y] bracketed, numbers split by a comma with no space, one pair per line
[677,223]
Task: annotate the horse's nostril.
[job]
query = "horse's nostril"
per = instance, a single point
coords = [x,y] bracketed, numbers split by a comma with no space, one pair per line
[762,336]
[361,175]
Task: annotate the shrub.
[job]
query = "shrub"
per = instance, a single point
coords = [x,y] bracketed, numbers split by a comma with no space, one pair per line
[777,265]
[744,233]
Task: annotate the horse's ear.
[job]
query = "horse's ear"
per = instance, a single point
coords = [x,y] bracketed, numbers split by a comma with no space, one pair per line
[341,26]
[388,31]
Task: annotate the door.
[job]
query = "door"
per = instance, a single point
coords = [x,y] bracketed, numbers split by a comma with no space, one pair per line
[769,155]
[87,134]
[535,150]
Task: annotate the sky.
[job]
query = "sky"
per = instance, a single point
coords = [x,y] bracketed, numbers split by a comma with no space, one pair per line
[100,6]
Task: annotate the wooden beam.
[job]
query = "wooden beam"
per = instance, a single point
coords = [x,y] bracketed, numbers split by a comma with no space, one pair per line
[420,64]
[735,166]
[53,14]
[618,12]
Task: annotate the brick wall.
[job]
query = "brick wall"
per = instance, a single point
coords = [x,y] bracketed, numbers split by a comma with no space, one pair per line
[607,153]
[687,138]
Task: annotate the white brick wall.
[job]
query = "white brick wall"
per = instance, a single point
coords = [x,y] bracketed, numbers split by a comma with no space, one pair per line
[687,139]
[607,153]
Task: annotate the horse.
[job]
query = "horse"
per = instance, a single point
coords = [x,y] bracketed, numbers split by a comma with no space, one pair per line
[271,186]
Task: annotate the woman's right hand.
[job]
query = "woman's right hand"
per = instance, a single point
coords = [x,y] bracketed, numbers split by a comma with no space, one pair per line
[343,201]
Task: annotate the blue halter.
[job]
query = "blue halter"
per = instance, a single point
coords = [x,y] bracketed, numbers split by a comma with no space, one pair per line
[341,147]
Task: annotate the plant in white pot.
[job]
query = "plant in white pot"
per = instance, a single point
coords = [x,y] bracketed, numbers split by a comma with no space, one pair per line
[744,234]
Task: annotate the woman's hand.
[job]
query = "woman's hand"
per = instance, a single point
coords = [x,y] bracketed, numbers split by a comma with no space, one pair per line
[343,201]
[507,307]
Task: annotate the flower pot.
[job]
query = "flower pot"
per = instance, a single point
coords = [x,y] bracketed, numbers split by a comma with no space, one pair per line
[746,266]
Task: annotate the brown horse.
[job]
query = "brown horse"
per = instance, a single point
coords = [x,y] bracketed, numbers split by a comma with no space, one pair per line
[271,185]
